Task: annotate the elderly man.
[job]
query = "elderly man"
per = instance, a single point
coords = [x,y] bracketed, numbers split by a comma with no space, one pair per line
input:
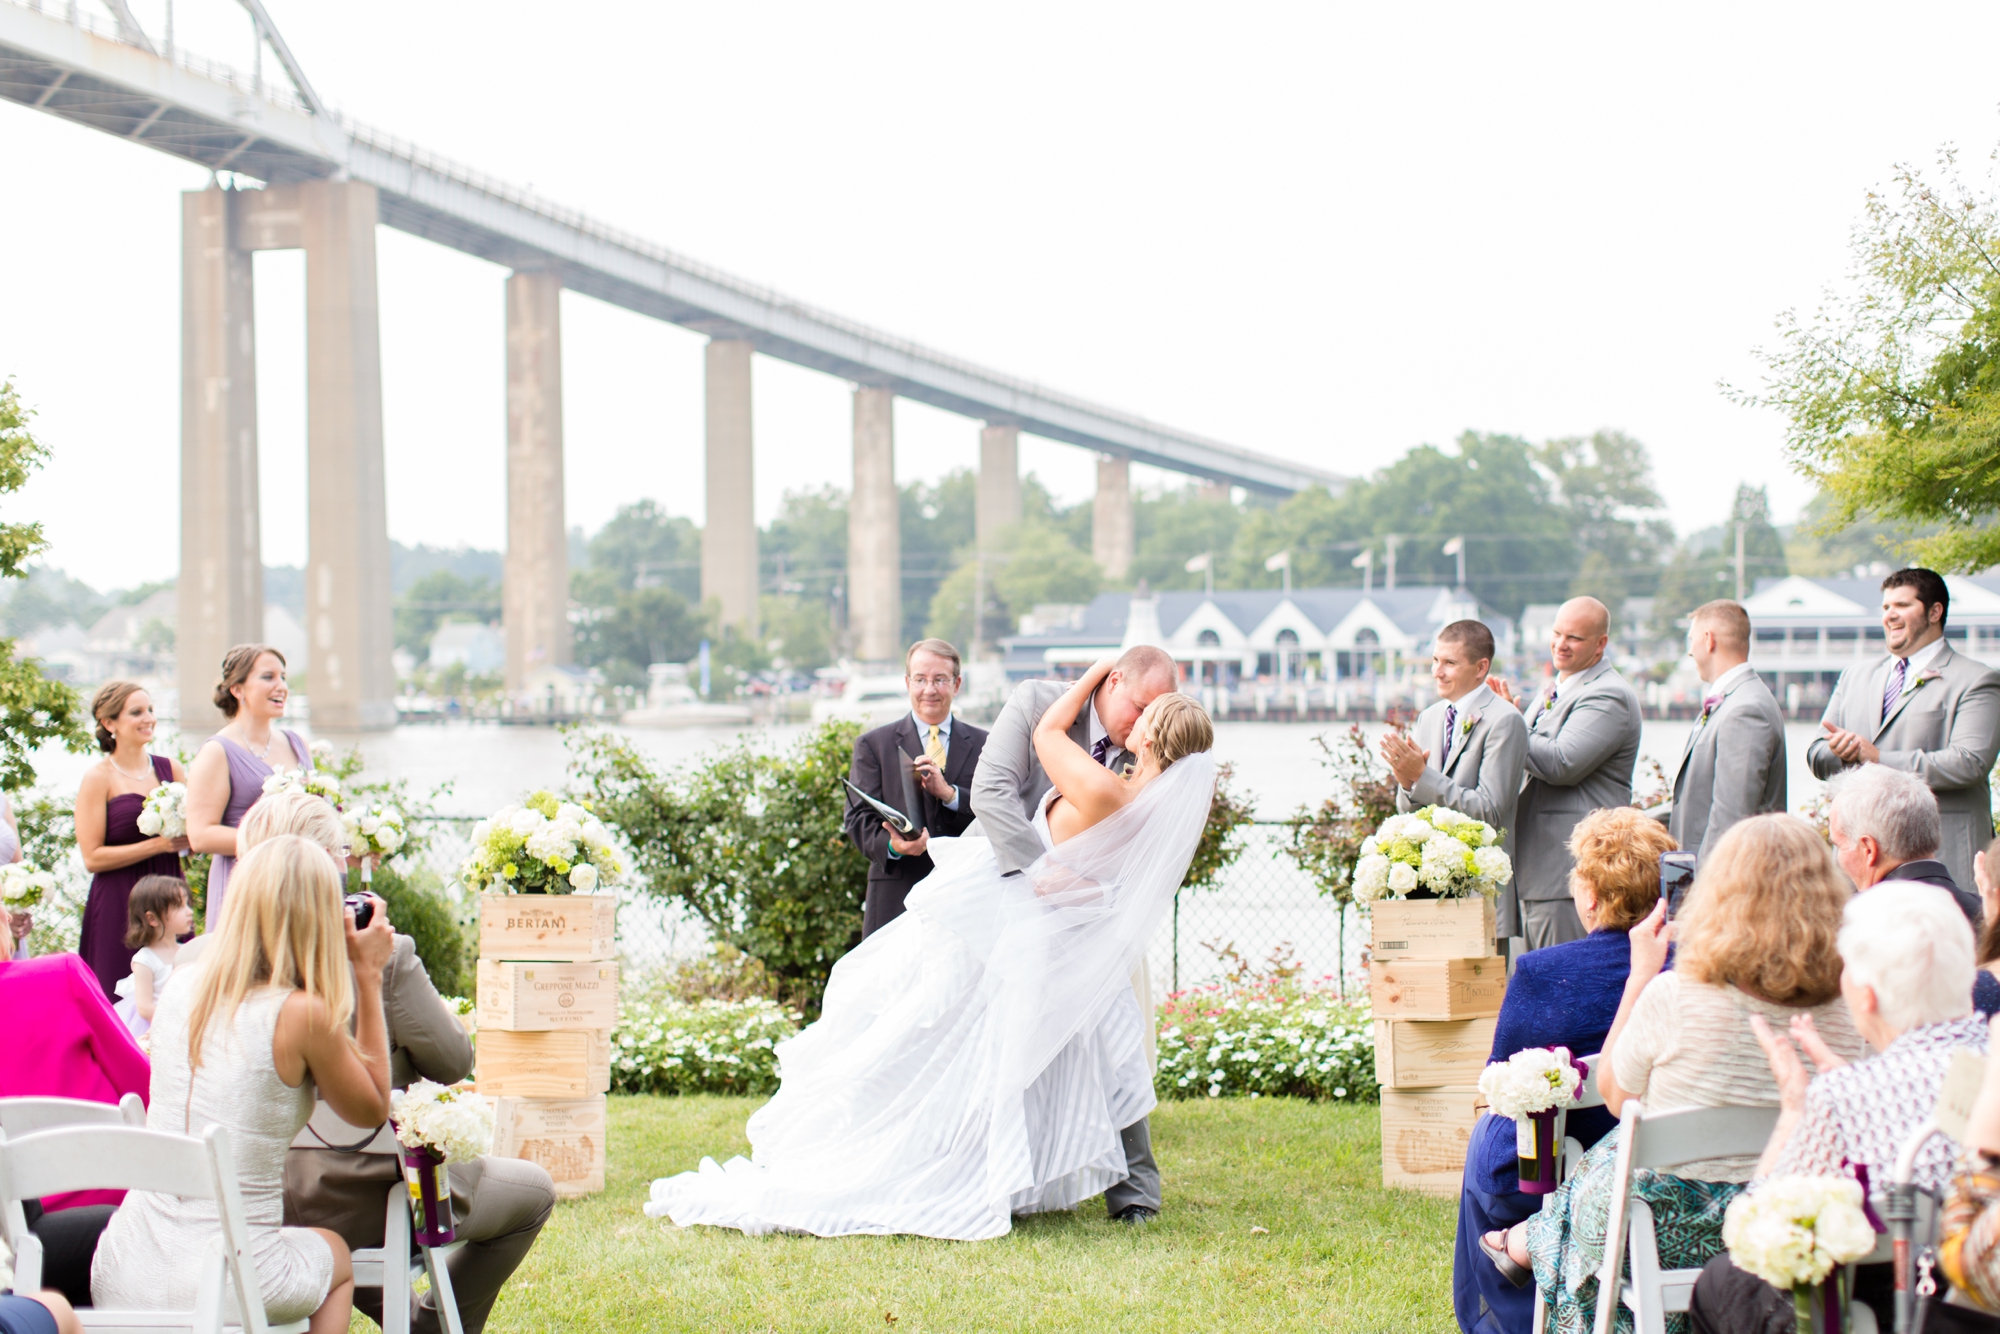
[1583,737]
[921,764]
[1734,765]
[1007,788]
[1884,826]
[1470,747]
[1923,709]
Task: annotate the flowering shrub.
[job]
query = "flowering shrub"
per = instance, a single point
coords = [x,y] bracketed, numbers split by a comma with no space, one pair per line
[663,1044]
[1277,1037]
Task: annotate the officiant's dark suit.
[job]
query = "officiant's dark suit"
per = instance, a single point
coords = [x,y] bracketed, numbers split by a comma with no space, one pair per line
[881,757]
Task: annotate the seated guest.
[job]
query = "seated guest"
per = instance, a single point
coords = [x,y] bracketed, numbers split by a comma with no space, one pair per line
[1907,967]
[501,1203]
[1884,825]
[1969,1231]
[44,1312]
[245,1042]
[1986,982]
[1561,996]
[1756,936]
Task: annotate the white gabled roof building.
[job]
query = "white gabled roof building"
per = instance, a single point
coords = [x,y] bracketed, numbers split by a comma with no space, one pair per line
[1804,631]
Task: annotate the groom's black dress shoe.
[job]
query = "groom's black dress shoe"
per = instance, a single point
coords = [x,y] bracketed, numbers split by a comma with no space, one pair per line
[1135,1215]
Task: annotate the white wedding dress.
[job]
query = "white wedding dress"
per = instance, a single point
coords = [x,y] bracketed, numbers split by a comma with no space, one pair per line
[977,1057]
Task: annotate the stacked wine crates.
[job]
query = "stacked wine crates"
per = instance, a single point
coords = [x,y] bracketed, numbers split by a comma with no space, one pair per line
[1435,981]
[548,997]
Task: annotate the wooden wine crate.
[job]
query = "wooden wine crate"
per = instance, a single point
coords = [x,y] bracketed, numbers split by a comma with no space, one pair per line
[1402,929]
[1424,1137]
[1430,1053]
[566,1137]
[1414,989]
[537,997]
[572,1063]
[550,928]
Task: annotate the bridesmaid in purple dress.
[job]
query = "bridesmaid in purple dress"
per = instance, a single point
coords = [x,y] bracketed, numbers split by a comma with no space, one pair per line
[108,802]
[228,773]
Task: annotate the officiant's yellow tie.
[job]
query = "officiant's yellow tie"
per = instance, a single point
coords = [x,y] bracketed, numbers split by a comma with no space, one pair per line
[934,749]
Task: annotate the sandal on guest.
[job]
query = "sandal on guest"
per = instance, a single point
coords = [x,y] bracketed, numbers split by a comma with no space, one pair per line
[1509,1268]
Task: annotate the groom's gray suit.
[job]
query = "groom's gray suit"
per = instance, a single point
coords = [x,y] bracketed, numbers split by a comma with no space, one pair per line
[1007,788]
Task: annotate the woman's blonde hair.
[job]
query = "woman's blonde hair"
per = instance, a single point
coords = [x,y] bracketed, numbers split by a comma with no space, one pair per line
[301,813]
[1617,854]
[1764,914]
[1177,725]
[285,927]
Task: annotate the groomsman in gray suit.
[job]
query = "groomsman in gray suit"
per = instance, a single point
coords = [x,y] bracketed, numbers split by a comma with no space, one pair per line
[1923,709]
[1583,736]
[1734,765]
[1470,746]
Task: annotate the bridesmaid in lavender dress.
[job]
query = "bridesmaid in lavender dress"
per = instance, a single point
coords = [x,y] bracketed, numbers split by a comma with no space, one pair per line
[108,802]
[228,773]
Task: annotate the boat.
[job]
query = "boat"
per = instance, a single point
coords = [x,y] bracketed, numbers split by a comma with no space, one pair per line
[868,700]
[672,702]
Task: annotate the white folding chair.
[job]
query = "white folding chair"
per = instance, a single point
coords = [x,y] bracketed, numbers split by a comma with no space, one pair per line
[390,1267]
[114,1157]
[1568,1150]
[25,1116]
[1661,1141]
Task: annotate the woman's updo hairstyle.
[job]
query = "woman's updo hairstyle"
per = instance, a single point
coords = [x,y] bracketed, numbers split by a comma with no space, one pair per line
[1178,727]
[236,668]
[108,703]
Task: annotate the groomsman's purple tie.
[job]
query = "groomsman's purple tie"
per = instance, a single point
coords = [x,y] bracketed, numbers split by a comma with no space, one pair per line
[1894,690]
[1100,749]
[1444,745]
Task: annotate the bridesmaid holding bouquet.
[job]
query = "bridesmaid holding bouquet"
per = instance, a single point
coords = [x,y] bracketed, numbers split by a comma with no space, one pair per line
[108,802]
[228,773]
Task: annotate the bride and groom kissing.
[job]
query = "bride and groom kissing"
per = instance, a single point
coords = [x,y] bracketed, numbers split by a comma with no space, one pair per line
[984,1054]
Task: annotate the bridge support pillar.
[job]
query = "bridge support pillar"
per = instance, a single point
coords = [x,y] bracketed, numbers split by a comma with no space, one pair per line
[874,531]
[221,588]
[998,503]
[535,597]
[352,684]
[729,532]
[1111,530]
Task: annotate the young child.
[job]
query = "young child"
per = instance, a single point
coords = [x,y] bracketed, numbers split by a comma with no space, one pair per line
[157,916]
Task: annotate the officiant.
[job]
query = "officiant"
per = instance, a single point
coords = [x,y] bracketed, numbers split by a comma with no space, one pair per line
[922,765]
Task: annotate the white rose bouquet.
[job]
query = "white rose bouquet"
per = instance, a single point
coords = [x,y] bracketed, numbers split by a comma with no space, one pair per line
[1528,1087]
[543,846]
[165,813]
[1793,1230]
[1436,848]
[314,783]
[22,886]
[373,831]
[452,1122]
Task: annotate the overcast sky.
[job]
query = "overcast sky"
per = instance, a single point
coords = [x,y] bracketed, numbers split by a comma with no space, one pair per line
[1325,232]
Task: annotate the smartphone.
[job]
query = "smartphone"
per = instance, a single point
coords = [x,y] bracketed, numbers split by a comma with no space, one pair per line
[1676,878]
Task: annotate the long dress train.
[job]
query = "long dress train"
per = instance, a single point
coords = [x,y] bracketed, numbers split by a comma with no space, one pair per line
[977,1057]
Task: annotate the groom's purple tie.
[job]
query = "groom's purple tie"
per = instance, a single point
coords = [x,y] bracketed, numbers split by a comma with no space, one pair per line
[1893,691]
[1100,749]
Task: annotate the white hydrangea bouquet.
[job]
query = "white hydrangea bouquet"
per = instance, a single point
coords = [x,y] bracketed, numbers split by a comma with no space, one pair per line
[437,1124]
[543,846]
[165,813]
[1529,1087]
[314,783]
[374,831]
[1437,849]
[1792,1232]
[22,886]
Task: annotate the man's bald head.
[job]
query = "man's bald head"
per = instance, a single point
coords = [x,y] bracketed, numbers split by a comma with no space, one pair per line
[1141,674]
[1579,635]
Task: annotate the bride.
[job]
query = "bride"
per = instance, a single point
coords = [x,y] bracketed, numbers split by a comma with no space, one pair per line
[977,1057]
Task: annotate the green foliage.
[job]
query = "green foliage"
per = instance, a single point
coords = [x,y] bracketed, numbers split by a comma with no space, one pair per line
[1891,390]
[34,710]
[1604,482]
[438,597]
[1265,1037]
[669,1042]
[1222,836]
[795,631]
[750,841]
[1172,527]
[1326,842]
[635,628]
[1818,546]
[644,547]
[419,909]
[48,597]
[1704,567]
[1033,562]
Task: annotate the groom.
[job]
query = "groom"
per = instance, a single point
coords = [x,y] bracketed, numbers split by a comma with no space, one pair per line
[1008,787]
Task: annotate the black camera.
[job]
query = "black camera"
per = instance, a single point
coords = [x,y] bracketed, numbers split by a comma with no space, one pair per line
[364,909]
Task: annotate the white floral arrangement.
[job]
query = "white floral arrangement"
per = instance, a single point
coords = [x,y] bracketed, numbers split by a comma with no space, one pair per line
[22,886]
[1534,1079]
[374,831]
[455,1123]
[1436,848]
[545,845]
[313,783]
[1793,1230]
[165,813]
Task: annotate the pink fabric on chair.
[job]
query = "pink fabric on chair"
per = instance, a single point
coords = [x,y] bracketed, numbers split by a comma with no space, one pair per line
[66,1042]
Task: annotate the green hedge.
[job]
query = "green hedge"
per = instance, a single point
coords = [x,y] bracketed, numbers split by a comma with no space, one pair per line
[1265,1037]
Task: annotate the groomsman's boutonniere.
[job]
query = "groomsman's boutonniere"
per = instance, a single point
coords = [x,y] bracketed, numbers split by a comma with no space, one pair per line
[1465,727]
[1923,678]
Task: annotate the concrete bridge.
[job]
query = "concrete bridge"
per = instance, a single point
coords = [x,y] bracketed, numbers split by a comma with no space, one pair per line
[327,182]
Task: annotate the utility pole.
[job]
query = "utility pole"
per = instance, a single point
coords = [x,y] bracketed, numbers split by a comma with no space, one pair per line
[1390,581]
[1739,560]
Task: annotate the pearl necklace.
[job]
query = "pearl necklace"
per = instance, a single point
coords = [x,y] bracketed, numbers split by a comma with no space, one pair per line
[147,777]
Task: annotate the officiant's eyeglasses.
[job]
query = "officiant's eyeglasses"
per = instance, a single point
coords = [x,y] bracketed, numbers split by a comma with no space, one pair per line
[934,682]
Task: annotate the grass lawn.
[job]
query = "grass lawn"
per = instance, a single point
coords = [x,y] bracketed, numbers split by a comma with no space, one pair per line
[1340,1254]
